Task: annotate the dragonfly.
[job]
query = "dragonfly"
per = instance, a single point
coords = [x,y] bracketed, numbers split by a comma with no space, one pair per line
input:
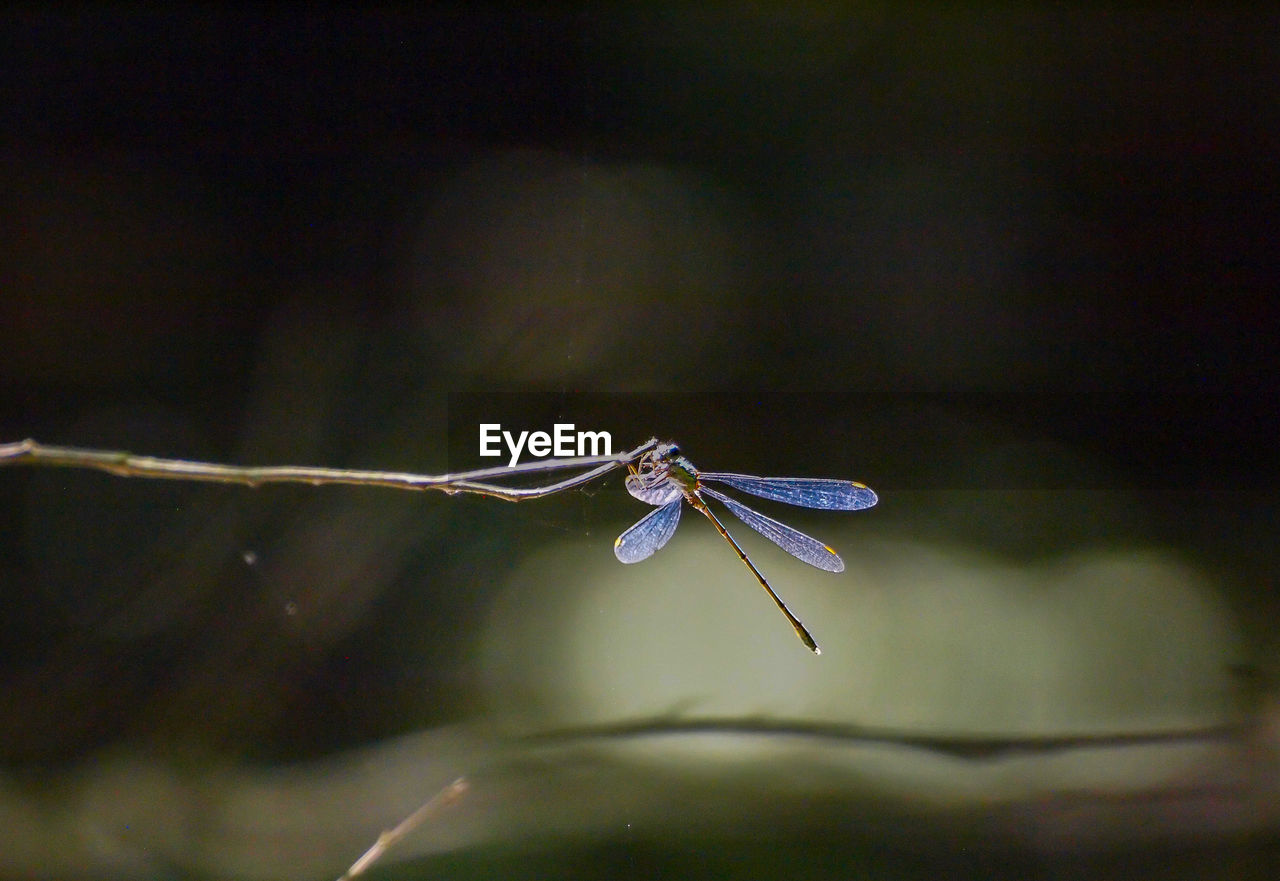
[665,478]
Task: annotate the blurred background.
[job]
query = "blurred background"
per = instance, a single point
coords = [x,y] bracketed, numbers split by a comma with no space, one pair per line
[1014,268]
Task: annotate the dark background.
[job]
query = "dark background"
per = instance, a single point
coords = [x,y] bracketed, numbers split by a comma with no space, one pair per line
[940,247]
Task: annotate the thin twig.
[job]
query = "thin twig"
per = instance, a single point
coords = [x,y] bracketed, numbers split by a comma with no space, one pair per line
[441,799]
[125,464]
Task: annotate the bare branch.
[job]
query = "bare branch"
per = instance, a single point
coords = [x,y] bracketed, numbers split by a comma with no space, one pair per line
[387,839]
[125,464]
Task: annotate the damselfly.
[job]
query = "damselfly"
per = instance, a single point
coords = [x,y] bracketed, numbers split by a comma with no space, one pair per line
[665,478]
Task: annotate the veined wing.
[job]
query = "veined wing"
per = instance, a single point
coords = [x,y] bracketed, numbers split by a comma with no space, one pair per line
[649,533]
[806,492]
[659,491]
[793,541]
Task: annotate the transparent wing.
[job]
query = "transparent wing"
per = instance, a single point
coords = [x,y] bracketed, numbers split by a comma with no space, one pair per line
[649,533]
[806,492]
[793,541]
[652,491]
